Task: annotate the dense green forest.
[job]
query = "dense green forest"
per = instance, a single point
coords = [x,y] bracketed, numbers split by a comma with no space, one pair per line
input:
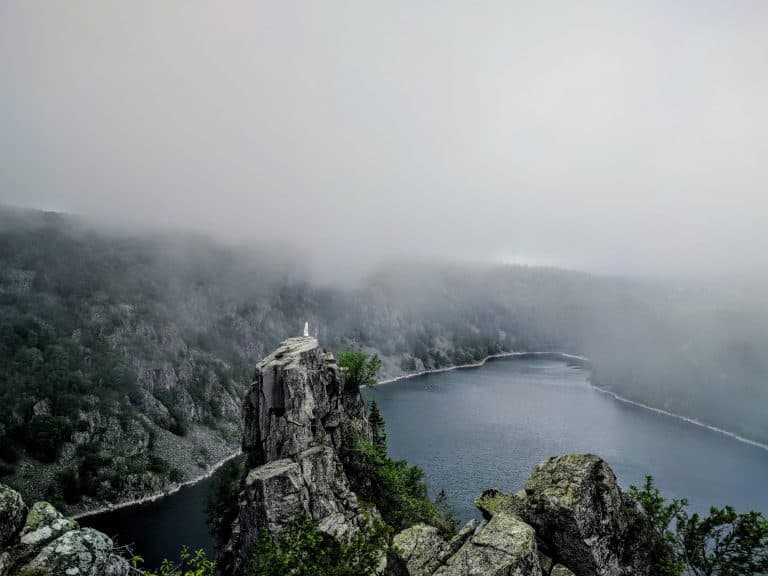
[110,338]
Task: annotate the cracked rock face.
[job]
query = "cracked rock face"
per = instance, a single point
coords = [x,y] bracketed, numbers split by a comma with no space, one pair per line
[505,545]
[419,549]
[313,484]
[574,503]
[297,401]
[83,552]
[43,524]
[294,416]
[43,541]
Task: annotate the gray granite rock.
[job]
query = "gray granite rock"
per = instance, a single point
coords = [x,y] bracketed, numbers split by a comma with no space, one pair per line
[294,416]
[419,550]
[42,541]
[504,546]
[313,484]
[43,524]
[297,400]
[575,505]
[12,514]
[83,552]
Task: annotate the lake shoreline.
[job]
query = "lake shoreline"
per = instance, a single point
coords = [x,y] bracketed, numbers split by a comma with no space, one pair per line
[693,421]
[499,356]
[484,361]
[209,471]
[584,360]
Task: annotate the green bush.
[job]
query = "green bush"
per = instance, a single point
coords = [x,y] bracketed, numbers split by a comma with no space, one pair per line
[180,424]
[189,564]
[396,489]
[159,466]
[724,543]
[8,451]
[222,503]
[303,550]
[175,475]
[69,484]
[359,369]
[377,426]
[46,436]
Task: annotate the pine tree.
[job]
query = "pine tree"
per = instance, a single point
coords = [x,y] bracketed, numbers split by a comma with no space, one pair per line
[378,433]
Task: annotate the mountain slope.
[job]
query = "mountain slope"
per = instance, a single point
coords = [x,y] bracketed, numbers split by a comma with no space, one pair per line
[125,356]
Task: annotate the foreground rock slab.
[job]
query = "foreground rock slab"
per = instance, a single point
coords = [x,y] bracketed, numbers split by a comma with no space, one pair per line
[505,545]
[42,541]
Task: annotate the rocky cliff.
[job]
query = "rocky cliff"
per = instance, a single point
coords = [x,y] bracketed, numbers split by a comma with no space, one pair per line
[41,541]
[294,417]
[569,519]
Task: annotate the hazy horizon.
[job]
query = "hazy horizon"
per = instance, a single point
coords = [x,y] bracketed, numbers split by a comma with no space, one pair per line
[617,138]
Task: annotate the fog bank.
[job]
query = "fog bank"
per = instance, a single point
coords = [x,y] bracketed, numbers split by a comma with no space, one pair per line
[606,136]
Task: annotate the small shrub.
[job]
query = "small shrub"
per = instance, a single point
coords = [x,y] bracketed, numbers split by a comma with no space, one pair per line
[69,484]
[359,369]
[189,564]
[302,550]
[180,424]
[724,543]
[222,504]
[396,489]
[47,435]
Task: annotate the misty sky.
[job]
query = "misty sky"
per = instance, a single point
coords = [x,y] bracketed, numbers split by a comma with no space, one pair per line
[609,136]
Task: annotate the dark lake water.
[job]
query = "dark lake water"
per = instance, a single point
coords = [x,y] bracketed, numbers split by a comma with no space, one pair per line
[474,429]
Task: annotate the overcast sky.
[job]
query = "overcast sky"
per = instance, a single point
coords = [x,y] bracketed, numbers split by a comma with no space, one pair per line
[610,136]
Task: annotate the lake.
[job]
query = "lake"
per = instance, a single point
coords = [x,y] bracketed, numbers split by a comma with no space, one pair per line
[478,428]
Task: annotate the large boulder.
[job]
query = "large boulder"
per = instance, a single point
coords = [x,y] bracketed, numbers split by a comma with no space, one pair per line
[418,551]
[12,514]
[44,523]
[43,541]
[505,546]
[575,505]
[84,552]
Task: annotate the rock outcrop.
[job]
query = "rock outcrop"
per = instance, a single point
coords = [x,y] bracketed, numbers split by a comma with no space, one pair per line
[568,520]
[42,541]
[575,505]
[294,417]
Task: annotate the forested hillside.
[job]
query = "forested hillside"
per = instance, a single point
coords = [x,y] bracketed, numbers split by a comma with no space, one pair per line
[124,356]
